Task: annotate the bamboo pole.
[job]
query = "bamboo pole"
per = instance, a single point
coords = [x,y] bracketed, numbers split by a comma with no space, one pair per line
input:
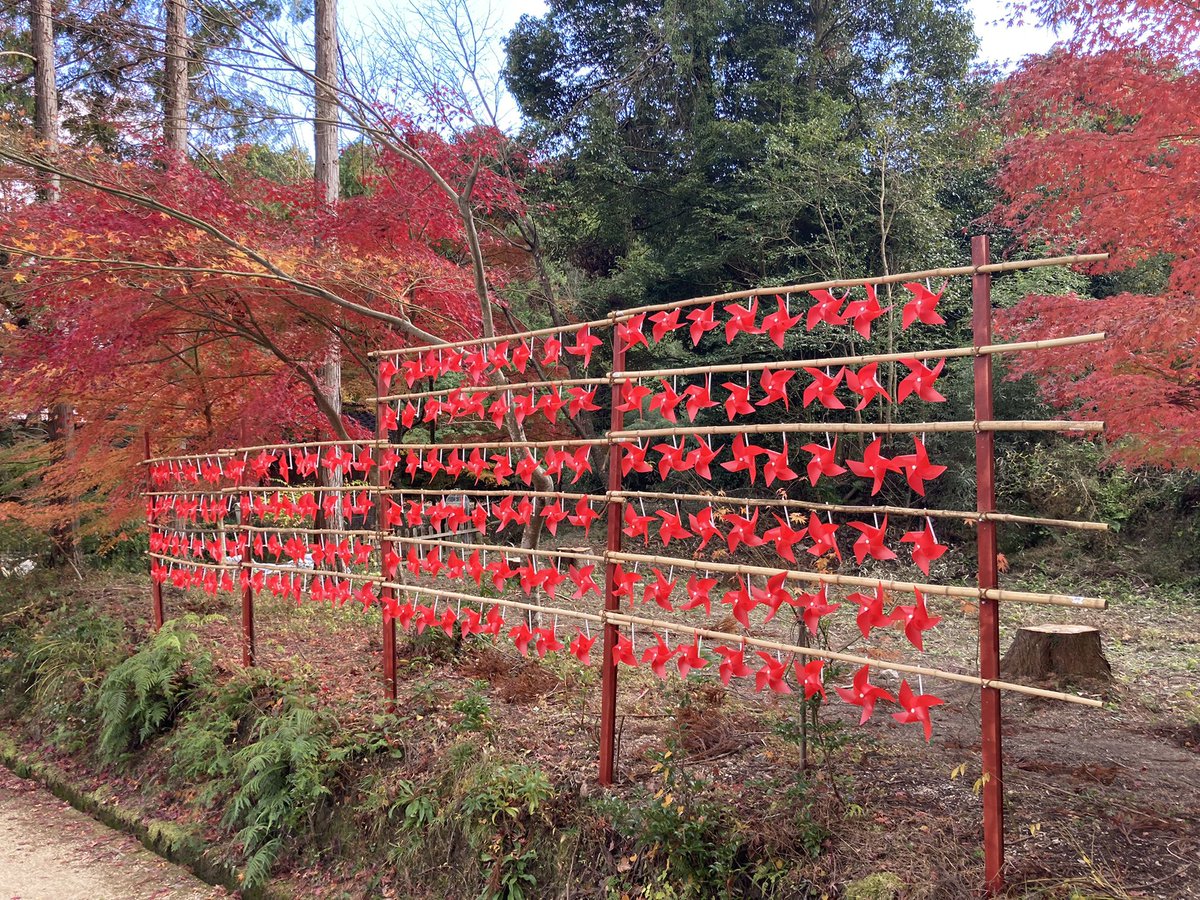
[933,590]
[499,548]
[867,428]
[481,341]
[200,493]
[300,529]
[220,567]
[501,445]
[229,451]
[854,360]
[515,387]
[211,454]
[351,487]
[314,573]
[838,656]
[966,515]
[494,601]
[435,492]
[945,272]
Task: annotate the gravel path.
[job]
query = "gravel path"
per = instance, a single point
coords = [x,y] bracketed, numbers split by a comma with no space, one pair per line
[50,851]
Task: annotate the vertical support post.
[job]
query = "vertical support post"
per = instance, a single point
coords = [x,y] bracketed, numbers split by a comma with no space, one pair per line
[248,642]
[612,603]
[989,613]
[386,594]
[156,596]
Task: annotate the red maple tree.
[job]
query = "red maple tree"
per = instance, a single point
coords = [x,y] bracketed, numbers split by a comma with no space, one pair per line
[1102,153]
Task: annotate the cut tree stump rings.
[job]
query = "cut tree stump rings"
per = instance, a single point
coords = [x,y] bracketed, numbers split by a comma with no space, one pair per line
[1056,652]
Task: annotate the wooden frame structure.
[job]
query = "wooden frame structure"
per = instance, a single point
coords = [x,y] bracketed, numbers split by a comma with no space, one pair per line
[196,502]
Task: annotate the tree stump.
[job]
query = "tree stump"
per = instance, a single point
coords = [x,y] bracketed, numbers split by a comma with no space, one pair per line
[1056,651]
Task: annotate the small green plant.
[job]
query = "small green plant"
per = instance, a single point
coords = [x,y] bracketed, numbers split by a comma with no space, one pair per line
[414,810]
[284,776]
[141,696]
[475,708]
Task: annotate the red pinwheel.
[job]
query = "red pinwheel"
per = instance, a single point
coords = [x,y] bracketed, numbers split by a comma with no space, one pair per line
[741,319]
[743,600]
[738,402]
[671,528]
[816,607]
[775,384]
[495,622]
[623,583]
[810,677]
[521,635]
[870,542]
[634,459]
[553,513]
[585,343]
[873,465]
[703,321]
[701,458]
[920,381]
[822,536]
[635,525]
[470,623]
[412,464]
[702,525]
[776,467]
[697,397]
[630,332]
[864,694]
[671,459]
[698,594]
[579,462]
[733,664]
[865,383]
[784,537]
[526,467]
[825,309]
[624,652]
[547,641]
[521,355]
[743,457]
[501,466]
[773,596]
[823,388]
[776,325]
[581,400]
[922,307]
[260,466]
[925,549]
[916,708]
[584,515]
[666,402]
[387,371]
[916,620]
[823,462]
[632,397]
[664,323]
[581,648]
[524,407]
[864,312]
[659,655]
[551,350]
[773,674]
[742,531]
[584,582]
[689,658]
[550,404]
[870,611]
[917,467]
[659,591]
[475,568]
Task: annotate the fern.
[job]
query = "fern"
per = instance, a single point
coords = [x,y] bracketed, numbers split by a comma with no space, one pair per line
[141,696]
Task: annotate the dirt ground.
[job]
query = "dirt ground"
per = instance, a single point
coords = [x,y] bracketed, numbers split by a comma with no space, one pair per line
[49,851]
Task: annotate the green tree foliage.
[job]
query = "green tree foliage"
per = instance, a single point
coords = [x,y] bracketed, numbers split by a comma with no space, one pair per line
[697,146]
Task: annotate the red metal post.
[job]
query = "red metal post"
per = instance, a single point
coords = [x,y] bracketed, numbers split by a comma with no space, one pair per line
[248,642]
[989,613]
[386,594]
[612,603]
[156,597]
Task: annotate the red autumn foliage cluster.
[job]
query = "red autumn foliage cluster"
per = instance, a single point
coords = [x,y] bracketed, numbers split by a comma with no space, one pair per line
[201,305]
[1103,154]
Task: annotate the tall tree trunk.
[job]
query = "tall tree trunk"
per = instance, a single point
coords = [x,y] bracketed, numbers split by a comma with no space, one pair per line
[327,174]
[45,88]
[176,93]
[45,117]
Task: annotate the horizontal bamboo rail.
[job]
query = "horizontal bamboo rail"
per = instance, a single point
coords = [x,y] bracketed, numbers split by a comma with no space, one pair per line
[515,387]
[313,573]
[185,493]
[300,529]
[211,454]
[300,446]
[966,515]
[622,619]
[494,601]
[866,428]
[854,360]
[945,272]
[482,341]
[497,548]
[424,492]
[183,561]
[932,590]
